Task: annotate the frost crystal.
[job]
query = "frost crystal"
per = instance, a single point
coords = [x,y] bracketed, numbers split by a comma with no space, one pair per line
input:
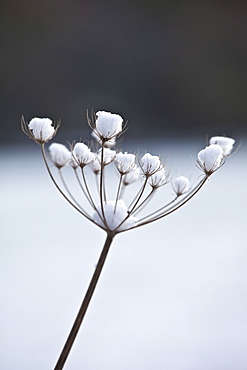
[115,214]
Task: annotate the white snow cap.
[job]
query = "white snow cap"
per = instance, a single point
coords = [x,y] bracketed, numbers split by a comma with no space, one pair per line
[108,144]
[158,178]
[113,219]
[96,166]
[42,129]
[181,185]
[226,143]
[83,154]
[210,158]
[60,155]
[108,125]
[131,176]
[125,162]
[108,156]
[150,164]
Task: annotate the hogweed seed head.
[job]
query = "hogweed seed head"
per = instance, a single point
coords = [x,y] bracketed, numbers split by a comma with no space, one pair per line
[132,176]
[181,185]
[226,143]
[60,155]
[82,154]
[108,125]
[210,158]
[124,162]
[116,216]
[150,164]
[158,179]
[40,129]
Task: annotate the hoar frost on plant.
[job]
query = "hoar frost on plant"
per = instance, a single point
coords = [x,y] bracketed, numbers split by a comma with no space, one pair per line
[114,215]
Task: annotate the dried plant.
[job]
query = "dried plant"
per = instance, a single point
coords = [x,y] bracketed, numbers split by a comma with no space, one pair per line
[114,215]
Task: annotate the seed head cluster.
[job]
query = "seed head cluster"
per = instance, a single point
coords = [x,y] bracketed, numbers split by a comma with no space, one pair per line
[114,215]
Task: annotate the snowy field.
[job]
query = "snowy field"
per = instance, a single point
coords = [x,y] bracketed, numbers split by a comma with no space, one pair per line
[172,295]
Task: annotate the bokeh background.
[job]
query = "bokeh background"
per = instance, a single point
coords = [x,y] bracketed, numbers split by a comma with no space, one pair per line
[173,295]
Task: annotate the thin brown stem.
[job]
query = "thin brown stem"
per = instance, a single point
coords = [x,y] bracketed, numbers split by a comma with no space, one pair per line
[85,303]
[60,190]
[176,206]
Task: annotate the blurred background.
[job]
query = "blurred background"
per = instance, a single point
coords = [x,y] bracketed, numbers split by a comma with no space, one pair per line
[170,65]
[173,295]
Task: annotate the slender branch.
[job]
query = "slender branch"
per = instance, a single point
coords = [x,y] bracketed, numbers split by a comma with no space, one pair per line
[60,190]
[81,186]
[69,192]
[87,189]
[101,186]
[118,192]
[85,303]
[133,207]
[148,197]
[177,206]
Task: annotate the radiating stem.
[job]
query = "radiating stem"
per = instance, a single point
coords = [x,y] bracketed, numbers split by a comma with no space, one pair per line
[69,192]
[85,303]
[60,190]
[118,192]
[171,210]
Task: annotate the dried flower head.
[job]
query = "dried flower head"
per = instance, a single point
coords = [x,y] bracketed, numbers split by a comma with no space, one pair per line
[39,129]
[60,155]
[82,154]
[226,143]
[124,162]
[181,185]
[150,164]
[158,179]
[108,125]
[210,158]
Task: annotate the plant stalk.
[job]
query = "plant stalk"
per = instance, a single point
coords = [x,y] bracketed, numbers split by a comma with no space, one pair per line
[85,303]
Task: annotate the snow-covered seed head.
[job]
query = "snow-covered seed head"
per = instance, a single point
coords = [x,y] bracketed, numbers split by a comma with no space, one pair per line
[150,164]
[108,144]
[73,162]
[108,156]
[82,154]
[158,179]
[181,185]
[125,162]
[226,143]
[60,155]
[108,125]
[96,166]
[39,129]
[132,176]
[115,214]
[210,158]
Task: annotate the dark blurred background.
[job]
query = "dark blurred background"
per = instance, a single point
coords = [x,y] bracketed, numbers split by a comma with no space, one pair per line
[168,67]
